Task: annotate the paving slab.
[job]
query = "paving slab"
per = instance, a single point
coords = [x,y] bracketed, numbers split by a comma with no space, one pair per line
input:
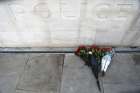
[42,74]
[121,88]
[77,77]
[12,63]
[8,83]
[123,75]
[24,91]
[11,66]
[46,73]
[123,69]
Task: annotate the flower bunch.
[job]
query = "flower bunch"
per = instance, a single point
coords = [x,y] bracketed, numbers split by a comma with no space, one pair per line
[92,55]
[86,52]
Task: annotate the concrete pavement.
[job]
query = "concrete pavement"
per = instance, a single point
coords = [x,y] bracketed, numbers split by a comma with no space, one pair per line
[58,73]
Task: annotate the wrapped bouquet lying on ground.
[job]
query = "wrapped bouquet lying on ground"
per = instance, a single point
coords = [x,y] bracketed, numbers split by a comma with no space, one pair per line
[97,58]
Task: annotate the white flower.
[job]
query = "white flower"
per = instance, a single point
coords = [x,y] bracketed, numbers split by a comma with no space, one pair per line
[90,52]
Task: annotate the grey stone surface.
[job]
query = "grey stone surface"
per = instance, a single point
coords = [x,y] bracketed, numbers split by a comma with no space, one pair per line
[121,88]
[46,73]
[24,91]
[12,63]
[8,83]
[77,78]
[123,70]
[123,75]
[42,74]
[11,66]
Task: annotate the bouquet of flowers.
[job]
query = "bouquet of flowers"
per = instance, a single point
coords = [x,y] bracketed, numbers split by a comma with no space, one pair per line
[92,56]
[89,53]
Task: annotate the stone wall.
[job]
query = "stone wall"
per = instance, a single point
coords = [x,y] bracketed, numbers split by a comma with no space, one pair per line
[69,23]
